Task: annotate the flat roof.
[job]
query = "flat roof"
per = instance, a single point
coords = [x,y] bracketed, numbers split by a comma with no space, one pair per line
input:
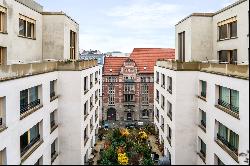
[59,13]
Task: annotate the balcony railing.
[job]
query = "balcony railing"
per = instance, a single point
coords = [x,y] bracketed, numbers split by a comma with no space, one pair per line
[227,144]
[33,142]
[26,107]
[228,106]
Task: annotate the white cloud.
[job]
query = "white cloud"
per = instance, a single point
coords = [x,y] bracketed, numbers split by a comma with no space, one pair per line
[144,15]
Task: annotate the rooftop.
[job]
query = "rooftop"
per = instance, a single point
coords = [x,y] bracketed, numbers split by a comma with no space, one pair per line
[17,71]
[230,70]
[145,59]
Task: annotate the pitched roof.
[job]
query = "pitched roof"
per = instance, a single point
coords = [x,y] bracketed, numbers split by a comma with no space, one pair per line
[145,59]
[112,65]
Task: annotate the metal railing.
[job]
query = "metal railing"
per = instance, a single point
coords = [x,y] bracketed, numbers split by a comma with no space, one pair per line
[32,142]
[26,107]
[227,144]
[228,106]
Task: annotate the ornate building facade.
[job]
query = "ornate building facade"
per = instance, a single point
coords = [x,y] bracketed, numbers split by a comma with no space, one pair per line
[128,85]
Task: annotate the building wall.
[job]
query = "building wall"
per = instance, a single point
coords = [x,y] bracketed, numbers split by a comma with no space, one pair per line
[21,49]
[241,43]
[56,36]
[10,138]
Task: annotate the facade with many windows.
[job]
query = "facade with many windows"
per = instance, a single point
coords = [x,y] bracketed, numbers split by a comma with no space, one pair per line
[207,115]
[128,85]
[43,114]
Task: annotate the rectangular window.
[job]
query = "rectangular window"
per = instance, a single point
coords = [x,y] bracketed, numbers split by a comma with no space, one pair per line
[223,32]
[218,161]
[39,161]
[144,93]
[28,139]
[29,99]
[157,96]
[229,138]
[2,112]
[169,135]
[203,88]
[163,80]
[26,27]
[181,46]
[203,149]
[229,99]
[53,119]
[169,110]
[85,84]
[86,135]
[91,81]
[3,19]
[86,109]
[2,157]
[233,29]
[228,56]
[203,119]
[54,150]
[53,89]
[111,95]
[227,29]
[170,83]
[157,77]
[72,45]
[162,102]
[1,56]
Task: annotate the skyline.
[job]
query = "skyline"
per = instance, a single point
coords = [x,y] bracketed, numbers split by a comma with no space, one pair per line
[116,25]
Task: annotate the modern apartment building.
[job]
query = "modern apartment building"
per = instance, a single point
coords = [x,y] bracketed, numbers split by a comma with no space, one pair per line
[49,100]
[128,85]
[202,115]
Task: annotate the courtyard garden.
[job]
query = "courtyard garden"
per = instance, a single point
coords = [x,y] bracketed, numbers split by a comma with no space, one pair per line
[128,147]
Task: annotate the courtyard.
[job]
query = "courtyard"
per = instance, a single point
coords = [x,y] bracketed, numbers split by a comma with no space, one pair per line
[128,146]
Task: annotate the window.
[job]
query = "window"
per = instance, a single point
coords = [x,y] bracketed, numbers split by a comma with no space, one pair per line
[144,93]
[203,88]
[203,119]
[29,99]
[26,27]
[54,149]
[3,56]
[72,45]
[163,80]
[96,77]
[181,46]
[169,156]
[145,113]
[169,110]
[169,135]
[228,138]
[85,84]
[3,19]
[227,29]
[91,81]
[53,90]
[228,56]
[157,96]
[53,118]
[111,79]
[218,161]
[162,102]
[28,139]
[86,135]
[202,150]
[157,77]
[170,88]
[91,102]
[157,113]
[2,112]
[86,109]
[229,99]
[111,95]
[96,96]
[39,161]
[2,157]
[129,88]
[129,98]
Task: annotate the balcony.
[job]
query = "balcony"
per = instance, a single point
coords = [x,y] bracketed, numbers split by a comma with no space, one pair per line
[226,146]
[228,108]
[132,92]
[27,109]
[29,149]
[129,103]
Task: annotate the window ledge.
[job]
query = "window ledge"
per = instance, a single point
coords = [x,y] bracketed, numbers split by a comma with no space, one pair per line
[53,129]
[31,150]
[54,157]
[5,33]
[203,158]
[228,111]
[226,149]
[54,98]
[26,37]
[202,128]
[28,113]
[220,40]
[3,128]
[202,98]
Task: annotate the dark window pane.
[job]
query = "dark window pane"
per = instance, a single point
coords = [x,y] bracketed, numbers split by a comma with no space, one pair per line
[24,141]
[233,29]
[22,27]
[29,29]
[223,56]
[223,32]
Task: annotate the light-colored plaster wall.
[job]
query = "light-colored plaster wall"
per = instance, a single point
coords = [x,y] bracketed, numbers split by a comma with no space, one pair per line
[18,48]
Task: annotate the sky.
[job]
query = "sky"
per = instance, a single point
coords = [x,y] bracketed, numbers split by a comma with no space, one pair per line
[121,25]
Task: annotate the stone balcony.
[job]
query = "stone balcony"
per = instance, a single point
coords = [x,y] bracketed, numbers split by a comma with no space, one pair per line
[237,71]
[15,71]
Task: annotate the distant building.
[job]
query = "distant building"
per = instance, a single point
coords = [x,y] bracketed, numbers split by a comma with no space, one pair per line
[118,54]
[128,85]
[202,99]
